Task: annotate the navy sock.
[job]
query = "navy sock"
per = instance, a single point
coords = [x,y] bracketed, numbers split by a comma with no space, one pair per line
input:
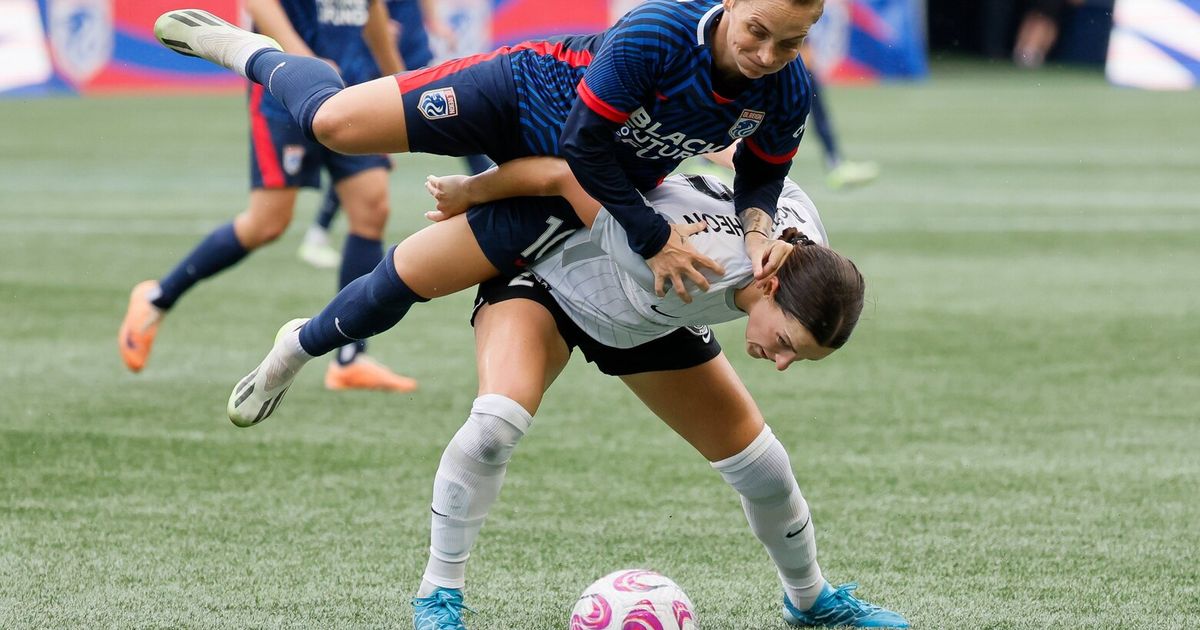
[820,118]
[219,251]
[366,307]
[359,256]
[329,210]
[301,84]
[478,163]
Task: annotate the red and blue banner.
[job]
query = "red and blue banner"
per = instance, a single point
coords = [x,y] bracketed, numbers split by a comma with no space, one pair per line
[98,46]
[868,40]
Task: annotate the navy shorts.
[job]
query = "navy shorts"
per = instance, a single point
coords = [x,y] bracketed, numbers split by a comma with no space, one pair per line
[463,107]
[517,231]
[685,348]
[281,157]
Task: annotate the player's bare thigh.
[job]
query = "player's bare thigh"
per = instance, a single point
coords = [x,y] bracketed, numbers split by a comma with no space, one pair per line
[266,217]
[364,118]
[518,351]
[442,258]
[707,405]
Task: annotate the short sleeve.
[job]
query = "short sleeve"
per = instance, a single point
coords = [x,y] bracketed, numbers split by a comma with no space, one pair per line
[776,141]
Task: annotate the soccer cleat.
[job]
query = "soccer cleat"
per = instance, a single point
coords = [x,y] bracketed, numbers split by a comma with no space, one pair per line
[837,607]
[848,174]
[319,255]
[366,373]
[139,326]
[198,33]
[259,393]
[442,610]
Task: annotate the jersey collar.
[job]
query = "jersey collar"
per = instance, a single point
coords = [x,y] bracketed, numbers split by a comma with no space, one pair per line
[706,21]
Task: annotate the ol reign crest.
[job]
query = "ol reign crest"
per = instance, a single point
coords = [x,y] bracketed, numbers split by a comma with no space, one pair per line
[746,124]
[439,103]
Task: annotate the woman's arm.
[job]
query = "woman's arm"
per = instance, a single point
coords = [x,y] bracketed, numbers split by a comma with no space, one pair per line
[524,177]
[381,41]
[271,20]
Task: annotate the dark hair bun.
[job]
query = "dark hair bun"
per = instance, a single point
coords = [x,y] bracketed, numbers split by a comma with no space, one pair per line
[793,236]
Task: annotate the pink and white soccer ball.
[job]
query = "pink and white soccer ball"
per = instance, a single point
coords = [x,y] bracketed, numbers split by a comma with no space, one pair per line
[634,599]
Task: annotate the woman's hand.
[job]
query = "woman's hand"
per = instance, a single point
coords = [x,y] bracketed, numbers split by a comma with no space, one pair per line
[678,260]
[766,254]
[451,192]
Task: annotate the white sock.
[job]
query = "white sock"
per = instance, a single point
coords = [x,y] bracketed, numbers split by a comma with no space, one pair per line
[467,483]
[778,514]
[241,57]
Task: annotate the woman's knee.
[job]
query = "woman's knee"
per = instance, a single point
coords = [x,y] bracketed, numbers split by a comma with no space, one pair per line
[333,126]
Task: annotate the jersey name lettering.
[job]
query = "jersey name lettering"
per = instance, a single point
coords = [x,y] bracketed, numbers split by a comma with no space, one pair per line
[719,223]
[342,12]
[644,133]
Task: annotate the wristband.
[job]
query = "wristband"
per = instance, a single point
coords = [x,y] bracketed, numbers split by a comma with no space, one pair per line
[765,235]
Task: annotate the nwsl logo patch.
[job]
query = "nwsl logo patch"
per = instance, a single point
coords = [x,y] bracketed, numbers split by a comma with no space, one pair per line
[293,158]
[439,103]
[746,124]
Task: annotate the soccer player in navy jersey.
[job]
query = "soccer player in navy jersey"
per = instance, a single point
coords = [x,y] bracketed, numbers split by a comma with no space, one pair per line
[668,81]
[410,20]
[282,161]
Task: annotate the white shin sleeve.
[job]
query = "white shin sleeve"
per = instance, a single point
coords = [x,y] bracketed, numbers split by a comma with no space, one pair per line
[468,482]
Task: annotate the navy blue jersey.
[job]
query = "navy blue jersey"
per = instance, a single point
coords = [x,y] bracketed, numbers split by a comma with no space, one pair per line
[333,29]
[654,76]
[545,76]
[650,78]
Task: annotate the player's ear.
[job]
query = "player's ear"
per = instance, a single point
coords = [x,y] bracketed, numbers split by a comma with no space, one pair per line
[770,286]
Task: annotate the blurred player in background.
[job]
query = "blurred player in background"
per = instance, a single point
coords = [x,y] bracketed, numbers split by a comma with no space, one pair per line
[282,160]
[669,81]
[412,22]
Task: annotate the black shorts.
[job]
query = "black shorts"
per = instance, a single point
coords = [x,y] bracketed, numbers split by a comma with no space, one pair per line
[685,348]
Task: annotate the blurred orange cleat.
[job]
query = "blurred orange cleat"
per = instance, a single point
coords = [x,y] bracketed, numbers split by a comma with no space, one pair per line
[139,327]
[366,373]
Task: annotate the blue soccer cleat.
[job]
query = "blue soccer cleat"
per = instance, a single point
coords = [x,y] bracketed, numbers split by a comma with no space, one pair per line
[837,607]
[442,610]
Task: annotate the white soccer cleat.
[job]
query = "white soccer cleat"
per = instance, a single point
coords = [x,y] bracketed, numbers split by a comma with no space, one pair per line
[198,33]
[259,393]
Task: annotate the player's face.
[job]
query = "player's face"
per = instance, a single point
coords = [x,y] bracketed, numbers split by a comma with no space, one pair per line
[773,335]
[765,35]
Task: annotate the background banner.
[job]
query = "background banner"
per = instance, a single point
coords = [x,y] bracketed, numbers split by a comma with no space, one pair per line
[95,46]
[1155,44]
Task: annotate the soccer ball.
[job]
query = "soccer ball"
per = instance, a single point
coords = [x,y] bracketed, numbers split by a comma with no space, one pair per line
[634,599]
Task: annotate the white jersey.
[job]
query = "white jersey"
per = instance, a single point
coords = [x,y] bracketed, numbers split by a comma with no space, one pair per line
[608,290]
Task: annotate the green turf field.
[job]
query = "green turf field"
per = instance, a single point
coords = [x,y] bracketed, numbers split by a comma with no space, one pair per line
[1010,440]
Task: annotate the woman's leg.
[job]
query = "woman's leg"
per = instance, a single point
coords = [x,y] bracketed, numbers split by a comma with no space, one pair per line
[365,118]
[263,220]
[519,353]
[441,259]
[710,407]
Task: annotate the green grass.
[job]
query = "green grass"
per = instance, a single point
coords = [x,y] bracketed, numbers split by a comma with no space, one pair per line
[1010,441]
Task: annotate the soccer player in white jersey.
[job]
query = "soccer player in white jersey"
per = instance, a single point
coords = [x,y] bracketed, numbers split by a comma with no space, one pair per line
[527,326]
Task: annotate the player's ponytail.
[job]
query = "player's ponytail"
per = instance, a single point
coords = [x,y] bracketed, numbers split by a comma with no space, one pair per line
[821,289]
